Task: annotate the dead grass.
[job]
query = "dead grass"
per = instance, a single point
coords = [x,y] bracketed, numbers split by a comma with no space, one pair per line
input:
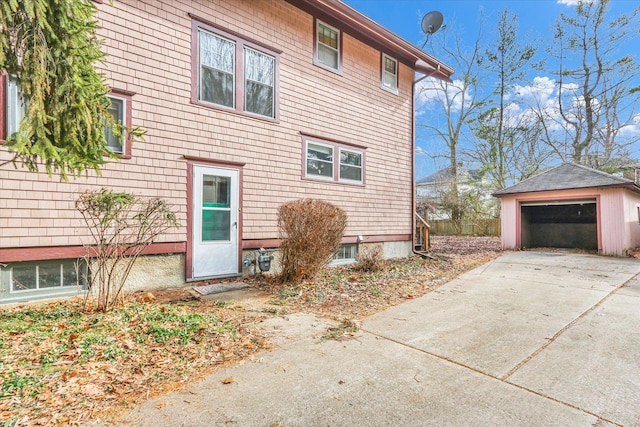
[348,293]
[59,366]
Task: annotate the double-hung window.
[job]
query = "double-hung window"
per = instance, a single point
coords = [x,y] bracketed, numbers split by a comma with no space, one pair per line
[319,161]
[258,82]
[234,73]
[14,108]
[330,161]
[119,108]
[217,69]
[115,140]
[327,46]
[118,142]
[350,165]
[389,74]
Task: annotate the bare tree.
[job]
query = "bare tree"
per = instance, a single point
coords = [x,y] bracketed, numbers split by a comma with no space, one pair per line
[596,85]
[507,145]
[453,105]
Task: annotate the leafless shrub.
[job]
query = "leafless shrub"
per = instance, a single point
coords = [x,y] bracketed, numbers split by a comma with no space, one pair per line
[369,259]
[311,231]
[121,227]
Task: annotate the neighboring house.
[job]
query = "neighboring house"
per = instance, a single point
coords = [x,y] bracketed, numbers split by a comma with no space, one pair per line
[572,206]
[247,105]
[429,190]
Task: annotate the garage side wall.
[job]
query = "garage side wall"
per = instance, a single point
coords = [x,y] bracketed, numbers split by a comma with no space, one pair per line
[632,220]
[509,218]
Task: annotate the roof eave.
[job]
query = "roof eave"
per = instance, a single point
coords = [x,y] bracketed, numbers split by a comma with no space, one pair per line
[356,23]
[629,186]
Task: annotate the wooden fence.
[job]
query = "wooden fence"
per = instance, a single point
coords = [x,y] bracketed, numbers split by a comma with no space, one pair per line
[482,227]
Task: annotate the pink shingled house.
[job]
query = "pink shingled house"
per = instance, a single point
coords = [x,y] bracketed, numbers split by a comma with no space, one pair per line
[572,206]
[247,105]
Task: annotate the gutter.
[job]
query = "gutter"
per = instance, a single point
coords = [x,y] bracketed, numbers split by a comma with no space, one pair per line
[413,162]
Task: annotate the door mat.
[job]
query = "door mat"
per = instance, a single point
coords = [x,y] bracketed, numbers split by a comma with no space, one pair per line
[217,288]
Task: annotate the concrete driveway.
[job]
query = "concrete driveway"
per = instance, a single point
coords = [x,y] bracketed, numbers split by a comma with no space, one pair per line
[530,339]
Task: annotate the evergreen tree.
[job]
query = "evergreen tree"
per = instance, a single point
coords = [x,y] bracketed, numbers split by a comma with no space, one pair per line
[51,49]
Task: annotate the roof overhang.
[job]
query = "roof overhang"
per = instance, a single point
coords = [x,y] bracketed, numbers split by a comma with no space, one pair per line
[354,23]
[628,186]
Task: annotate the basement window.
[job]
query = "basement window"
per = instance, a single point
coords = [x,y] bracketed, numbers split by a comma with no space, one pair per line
[347,254]
[23,281]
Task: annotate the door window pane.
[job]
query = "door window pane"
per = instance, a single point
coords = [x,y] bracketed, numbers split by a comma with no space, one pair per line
[216,191]
[216,225]
[217,69]
[216,208]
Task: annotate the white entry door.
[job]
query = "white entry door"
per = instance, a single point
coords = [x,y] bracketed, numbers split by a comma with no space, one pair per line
[215,221]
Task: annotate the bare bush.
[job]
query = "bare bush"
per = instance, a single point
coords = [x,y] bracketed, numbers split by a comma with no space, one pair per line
[122,227]
[369,259]
[311,231]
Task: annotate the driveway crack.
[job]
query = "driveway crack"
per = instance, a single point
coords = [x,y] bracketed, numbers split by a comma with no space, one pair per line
[565,328]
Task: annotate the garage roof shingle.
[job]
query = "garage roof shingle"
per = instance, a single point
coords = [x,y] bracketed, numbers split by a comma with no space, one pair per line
[567,176]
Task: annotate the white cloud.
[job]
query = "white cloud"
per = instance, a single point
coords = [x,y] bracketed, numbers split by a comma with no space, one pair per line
[432,93]
[574,2]
[421,151]
[538,93]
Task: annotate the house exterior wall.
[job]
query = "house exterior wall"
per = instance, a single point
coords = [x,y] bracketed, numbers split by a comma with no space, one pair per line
[616,211]
[149,48]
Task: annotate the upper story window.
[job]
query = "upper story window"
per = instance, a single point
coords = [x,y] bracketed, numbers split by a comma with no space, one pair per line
[233,73]
[217,69]
[330,161]
[328,45]
[115,141]
[259,82]
[14,111]
[15,107]
[120,109]
[389,73]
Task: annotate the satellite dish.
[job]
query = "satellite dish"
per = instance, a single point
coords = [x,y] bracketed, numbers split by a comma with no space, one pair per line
[431,22]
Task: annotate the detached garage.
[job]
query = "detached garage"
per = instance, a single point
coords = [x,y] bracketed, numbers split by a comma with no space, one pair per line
[572,206]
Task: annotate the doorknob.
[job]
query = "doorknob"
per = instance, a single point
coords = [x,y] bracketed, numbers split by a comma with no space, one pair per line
[235,224]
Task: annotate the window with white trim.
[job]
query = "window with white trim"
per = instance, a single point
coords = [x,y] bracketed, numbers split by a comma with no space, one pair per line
[115,139]
[217,69]
[327,46]
[347,254]
[235,74]
[350,165]
[319,161]
[259,82]
[331,161]
[15,107]
[389,73]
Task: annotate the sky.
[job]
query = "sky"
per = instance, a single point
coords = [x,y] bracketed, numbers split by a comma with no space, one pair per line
[536,18]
